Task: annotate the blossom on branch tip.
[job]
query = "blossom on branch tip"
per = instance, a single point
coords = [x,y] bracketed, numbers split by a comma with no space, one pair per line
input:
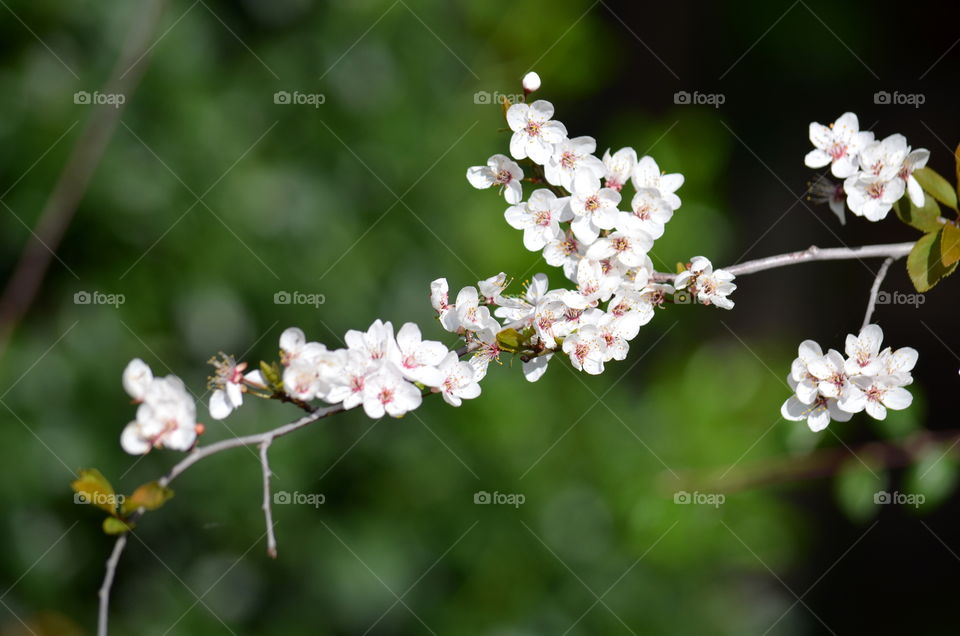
[710,287]
[500,171]
[539,218]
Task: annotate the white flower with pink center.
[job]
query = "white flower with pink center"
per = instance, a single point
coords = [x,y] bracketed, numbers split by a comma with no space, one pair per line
[628,248]
[415,358]
[539,218]
[586,349]
[456,381]
[500,171]
[387,393]
[838,144]
[534,134]
[571,156]
[565,252]
[375,343]
[594,207]
[647,174]
[619,167]
[649,213]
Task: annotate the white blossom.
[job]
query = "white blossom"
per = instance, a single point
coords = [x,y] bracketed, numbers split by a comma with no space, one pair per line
[534,134]
[500,171]
[571,156]
[646,174]
[838,144]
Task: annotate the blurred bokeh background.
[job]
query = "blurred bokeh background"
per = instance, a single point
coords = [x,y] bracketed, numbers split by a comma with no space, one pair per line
[210,198]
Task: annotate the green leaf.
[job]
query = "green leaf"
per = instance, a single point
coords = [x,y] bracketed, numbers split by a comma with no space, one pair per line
[271,373]
[93,488]
[149,496]
[113,525]
[925,265]
[950,245]
[937,186]
[856,489]
[956,158]
[510,340]
[925,219]
[933,476]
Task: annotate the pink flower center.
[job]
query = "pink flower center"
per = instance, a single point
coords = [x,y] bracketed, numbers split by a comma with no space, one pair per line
[568,160]
[542,218]
[875,190]
[592,203]
[385,396]
[504,177]
[581,351]
[532,128]
[837,150]
[620,244]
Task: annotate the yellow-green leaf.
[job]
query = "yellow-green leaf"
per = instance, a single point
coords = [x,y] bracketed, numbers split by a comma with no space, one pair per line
[925,219]
[93,488]
[149,496]
[113,525]
[271,373]
[925,264]
[510,340]
[956,157]
[936,185]
[950,244]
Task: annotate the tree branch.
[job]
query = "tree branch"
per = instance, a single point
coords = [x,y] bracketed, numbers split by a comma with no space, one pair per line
[267,510]
[62,203]
[818,464]
[875,290]
[102,617]
[812,253]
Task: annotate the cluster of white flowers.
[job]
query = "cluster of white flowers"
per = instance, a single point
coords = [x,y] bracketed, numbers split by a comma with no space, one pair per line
[829,386]
[386,374]
[875,173]
[166,415]
[577,223]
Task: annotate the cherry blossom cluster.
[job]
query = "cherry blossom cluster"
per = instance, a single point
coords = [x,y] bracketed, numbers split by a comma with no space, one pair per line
[831,386]
[383,372]
[166,415]
[575,219]
[875,173]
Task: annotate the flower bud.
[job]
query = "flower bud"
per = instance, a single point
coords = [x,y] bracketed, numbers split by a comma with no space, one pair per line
[531,82]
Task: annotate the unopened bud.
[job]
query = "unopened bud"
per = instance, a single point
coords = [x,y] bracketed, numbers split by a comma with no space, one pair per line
[531,82]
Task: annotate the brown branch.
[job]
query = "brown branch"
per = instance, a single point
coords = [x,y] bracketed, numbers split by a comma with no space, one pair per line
[62,203]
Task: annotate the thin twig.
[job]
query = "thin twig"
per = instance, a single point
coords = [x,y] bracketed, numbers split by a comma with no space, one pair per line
[821,463]
[875,290]
[813,253]
[102,617]
[62,203]
[267,509]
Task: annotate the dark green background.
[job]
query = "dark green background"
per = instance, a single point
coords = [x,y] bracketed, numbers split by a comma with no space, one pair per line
[312,206]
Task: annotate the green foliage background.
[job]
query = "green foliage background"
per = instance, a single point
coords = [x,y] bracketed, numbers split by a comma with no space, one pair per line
[306,199]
